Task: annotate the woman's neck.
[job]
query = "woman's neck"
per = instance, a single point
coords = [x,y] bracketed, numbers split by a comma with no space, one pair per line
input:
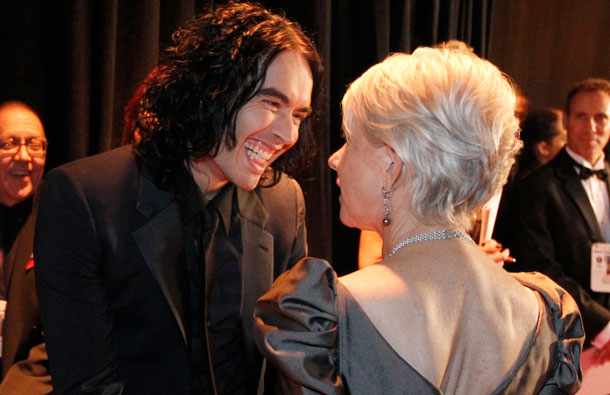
[397,232]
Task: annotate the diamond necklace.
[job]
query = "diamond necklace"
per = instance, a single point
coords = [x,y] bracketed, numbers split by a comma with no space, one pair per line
[436,235]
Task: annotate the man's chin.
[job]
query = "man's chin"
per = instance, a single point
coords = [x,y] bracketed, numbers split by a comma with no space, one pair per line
[248,185]
[12,200]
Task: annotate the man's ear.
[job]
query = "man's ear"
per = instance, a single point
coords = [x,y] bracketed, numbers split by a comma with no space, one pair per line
[543,148]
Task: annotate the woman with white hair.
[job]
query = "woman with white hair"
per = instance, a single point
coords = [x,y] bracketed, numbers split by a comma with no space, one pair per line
[430,137]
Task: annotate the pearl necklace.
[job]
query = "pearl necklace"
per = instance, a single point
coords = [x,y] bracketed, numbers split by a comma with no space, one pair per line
[436,235]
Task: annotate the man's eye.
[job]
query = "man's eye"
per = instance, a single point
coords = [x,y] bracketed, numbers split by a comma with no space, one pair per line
[271,103]
[299,116]
[35,144]
[6,144]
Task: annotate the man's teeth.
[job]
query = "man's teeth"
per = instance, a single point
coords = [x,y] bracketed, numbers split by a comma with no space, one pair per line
[256,151]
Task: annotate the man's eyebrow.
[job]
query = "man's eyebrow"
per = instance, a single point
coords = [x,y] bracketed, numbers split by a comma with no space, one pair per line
[282,97]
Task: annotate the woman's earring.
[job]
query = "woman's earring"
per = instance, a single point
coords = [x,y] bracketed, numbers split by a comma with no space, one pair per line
[387,195]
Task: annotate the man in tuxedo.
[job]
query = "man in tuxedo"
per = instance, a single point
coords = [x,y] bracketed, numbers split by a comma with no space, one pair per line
[22,158]
[150,257]
[559,211]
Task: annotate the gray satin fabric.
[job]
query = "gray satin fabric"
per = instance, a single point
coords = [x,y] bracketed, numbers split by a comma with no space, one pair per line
[311,328]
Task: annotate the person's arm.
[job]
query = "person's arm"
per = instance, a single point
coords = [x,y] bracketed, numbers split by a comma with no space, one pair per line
[29,376]
[295,329]
[73,299]
[601,342]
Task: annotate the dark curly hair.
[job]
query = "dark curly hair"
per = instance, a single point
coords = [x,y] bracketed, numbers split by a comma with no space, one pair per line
[217,64]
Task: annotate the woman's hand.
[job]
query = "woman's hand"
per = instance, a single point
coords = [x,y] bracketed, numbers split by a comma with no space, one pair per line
[494,250]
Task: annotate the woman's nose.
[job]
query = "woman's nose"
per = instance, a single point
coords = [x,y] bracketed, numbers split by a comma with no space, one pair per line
[333,160]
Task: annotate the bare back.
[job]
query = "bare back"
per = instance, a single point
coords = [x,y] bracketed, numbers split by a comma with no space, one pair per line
[451,313]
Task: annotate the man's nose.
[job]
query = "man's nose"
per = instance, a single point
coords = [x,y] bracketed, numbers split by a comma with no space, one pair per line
[286,130]
[23,153]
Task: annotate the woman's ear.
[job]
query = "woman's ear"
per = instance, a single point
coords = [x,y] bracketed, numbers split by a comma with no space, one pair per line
[393,166]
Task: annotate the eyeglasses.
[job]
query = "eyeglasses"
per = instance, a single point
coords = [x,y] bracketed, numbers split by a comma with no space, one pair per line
[35,146]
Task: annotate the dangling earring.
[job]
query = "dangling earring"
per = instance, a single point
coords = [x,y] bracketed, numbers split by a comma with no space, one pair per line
[386,205]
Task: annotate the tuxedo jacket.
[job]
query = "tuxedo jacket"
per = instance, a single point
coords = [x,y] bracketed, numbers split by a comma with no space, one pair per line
[550,226]
[24,359]
[112,277]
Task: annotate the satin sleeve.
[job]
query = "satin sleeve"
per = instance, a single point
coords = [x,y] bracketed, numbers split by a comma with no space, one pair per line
[566,376]
[296,329]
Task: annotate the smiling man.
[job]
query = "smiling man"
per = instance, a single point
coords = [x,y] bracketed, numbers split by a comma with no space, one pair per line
[559,211]
[23,149]
[150,258]
[20,170]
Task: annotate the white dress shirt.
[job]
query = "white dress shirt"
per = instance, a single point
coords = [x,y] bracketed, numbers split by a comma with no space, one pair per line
[597,191]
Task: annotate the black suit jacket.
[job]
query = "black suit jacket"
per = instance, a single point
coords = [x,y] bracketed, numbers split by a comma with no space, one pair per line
[24,358]
[111,274]
[550,226]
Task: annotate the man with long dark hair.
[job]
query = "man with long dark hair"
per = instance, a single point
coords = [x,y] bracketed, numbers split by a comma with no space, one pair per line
[150,257]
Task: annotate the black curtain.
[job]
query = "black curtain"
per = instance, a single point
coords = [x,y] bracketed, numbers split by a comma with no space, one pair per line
[78,62]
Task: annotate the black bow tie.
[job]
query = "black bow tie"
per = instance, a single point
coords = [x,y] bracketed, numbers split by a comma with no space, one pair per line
[585,172]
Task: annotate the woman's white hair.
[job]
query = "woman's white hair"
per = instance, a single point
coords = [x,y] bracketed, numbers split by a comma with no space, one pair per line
[449,116]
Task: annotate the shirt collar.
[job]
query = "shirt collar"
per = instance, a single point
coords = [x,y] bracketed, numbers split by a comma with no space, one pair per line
[248,204]
[582,161]
[223,202]
[194,202]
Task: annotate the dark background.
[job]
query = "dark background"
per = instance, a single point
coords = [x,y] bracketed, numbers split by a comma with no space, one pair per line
[77,62]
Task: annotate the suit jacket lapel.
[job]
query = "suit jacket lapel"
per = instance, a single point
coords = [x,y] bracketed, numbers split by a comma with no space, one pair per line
[607,167]
[257,271]
[572,184]
[161,242]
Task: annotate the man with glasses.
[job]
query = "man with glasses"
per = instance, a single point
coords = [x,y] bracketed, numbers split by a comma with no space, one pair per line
[22,158]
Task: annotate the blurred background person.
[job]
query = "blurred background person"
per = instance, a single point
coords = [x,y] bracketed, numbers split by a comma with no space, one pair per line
[558,213]
[543,136]
[522,105]
[23,149]
[430,138]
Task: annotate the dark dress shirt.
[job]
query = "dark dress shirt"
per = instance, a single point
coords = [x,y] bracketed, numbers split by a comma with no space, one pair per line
[215,249]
